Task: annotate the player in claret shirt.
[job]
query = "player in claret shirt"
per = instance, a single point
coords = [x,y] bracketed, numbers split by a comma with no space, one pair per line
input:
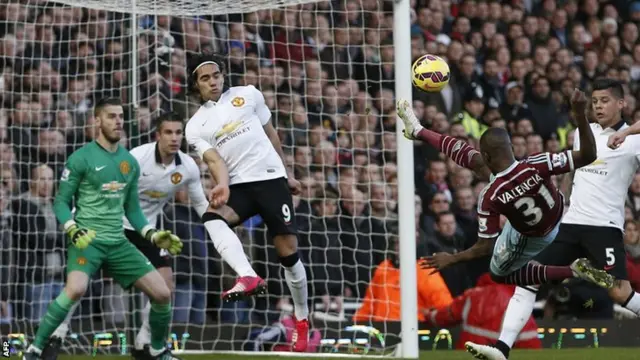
[521,303]
[237,123]
[523,192]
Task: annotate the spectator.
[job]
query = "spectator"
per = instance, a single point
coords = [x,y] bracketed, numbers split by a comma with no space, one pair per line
[39,245]
[382,299]
[480,311]
[191,267]
[320,250]
[448,239]
[362,241]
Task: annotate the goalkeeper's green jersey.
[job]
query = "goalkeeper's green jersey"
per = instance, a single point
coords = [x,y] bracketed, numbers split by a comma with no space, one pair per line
[104,186]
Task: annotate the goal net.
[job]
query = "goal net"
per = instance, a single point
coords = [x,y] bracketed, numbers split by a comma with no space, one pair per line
[326,71]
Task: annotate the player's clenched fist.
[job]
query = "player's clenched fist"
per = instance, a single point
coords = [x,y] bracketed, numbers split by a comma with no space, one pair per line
[219,195]
[294,186]
[81,238]
[164,239]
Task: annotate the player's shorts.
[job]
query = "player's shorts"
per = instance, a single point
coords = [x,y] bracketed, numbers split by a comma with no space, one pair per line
[124,263]
[602,245]
[513,249]
[271,199]
[158,257]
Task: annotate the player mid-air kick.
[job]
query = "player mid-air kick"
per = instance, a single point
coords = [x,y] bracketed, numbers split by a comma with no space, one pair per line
[164,170]
[592,225]
[236,122]
[102,178]
[522,191]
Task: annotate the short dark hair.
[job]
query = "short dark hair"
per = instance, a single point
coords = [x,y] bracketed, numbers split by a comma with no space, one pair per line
[440,215]
[198,59]
[167,117]
[104,102]
[612,85]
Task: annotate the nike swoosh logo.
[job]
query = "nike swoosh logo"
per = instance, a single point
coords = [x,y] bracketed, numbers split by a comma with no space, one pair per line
[145,174]
[100,168]
[607,268]
[148,263]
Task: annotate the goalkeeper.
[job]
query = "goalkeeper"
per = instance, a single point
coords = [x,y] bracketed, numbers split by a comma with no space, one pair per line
[103,178]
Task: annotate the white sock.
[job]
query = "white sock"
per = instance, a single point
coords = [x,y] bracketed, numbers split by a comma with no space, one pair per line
[33,349]
[296,278]
[229,247]
[517,314]
[144,334]
[633,303]
[63,329]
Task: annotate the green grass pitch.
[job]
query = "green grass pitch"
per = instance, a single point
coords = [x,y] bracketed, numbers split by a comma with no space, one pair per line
[547,354]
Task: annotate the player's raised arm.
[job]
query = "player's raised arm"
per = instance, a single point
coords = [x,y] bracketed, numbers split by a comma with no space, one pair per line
[457,150]
[588,152]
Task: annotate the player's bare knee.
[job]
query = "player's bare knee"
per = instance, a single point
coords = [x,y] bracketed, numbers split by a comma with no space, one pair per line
[286,244]
[167,275]
[170,285]
[161,294]
[226,213]
[75,291]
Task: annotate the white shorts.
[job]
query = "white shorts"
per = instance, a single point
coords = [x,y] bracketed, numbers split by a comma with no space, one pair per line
[513,250]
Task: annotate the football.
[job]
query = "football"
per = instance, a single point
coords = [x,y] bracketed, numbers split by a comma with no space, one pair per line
[430,73]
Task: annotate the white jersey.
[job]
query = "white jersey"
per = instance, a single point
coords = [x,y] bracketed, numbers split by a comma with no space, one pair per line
[234,127]
[600,189]
[158,183]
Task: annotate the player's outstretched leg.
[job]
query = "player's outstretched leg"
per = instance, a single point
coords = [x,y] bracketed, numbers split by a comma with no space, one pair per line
[457,150]
[231,251]
[296,278]
[533,273]
[52,350]
[77,282]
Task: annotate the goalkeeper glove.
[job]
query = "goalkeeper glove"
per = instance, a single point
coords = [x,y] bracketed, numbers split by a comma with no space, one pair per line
[164,239]
[81,238]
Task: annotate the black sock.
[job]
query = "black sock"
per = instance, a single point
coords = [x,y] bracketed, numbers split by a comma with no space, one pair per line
[504,348]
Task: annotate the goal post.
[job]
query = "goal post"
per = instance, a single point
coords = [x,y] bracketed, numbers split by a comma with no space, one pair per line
[406,186]
[329,76]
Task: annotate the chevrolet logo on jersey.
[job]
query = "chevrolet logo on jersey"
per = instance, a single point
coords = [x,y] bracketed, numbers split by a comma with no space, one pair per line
[598,167]
[228,128]
[113,189]
[153,194]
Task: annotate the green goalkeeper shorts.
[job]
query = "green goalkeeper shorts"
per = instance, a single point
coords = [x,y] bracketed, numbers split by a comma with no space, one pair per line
[121,259]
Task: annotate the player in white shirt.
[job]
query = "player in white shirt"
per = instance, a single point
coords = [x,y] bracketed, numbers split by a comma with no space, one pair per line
[236,122]
[164,170]
[593,225]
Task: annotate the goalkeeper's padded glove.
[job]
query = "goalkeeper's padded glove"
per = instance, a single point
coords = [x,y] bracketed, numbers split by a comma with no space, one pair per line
[164,239]
[81,238]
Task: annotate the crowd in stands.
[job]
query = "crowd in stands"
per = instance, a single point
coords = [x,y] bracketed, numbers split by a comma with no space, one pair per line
[326,70]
